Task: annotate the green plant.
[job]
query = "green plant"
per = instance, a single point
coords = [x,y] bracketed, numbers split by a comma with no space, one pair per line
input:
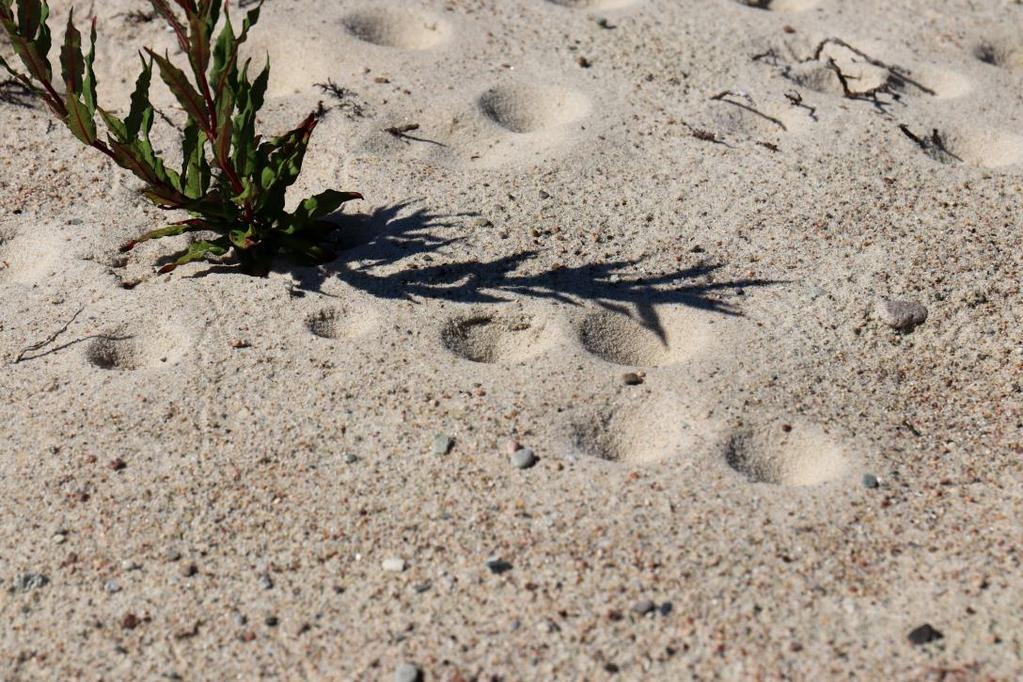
[231,181]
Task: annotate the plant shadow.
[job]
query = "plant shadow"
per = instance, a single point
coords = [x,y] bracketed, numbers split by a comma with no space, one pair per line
[395,233]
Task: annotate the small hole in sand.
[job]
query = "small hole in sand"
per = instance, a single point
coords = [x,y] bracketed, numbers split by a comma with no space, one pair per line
[1005,52]
[392,27]
[651,431]
[980,148]
[496,338]
[791,455]
[336,323]
[780,5]
[529,108]
[127,350]
[618,338]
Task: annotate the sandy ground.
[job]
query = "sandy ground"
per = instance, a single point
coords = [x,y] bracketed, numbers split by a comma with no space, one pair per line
[210,476]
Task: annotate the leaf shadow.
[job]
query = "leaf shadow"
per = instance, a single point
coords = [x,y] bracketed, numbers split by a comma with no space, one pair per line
[374,244]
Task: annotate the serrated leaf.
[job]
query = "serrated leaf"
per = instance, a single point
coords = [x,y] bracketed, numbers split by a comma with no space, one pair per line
[226,122]
[198,251]
[188,97]
[72,63]
[114,125]
[30,14]
[224,54]
[89,84]
[140,100]
[323,204]
[171,18]
[281,162]
[79,119]
[199,44]
[174,230]
[195,172]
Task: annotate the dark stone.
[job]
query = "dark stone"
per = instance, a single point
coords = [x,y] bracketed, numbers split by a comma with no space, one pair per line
[925,634]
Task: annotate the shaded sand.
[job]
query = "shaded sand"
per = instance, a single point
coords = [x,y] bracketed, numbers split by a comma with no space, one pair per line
[645,239]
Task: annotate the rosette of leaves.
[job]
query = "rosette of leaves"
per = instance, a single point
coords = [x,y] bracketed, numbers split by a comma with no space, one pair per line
[231,182]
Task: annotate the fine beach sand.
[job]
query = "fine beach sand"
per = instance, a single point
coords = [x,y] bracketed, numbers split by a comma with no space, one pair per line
[203,474]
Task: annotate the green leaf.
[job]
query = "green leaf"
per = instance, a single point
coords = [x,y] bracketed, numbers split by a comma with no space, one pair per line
[195,171]
[140,100]
[224,54]
[174,230]
[281,162]
[199,44]
[114,125]
[188,97]
[323,204]
[223,146]
[79,119]
[198,251]
[71,61]
[89,85]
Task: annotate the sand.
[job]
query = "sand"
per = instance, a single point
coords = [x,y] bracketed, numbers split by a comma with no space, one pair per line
[203,474]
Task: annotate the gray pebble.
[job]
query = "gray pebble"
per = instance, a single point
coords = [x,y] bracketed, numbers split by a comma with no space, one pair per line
[173,554]
[870,481]
[408,672]
[266,582]
[498,565]
[351,459]
[901,315]
[112,587]
[523,459]
[643,607]
[442,444]
[27,582]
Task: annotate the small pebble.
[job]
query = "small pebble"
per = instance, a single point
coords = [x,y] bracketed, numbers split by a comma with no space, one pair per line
[112,587]
[266,582]
[666,608]
[351,459]
[632,379]
[117,464]
[870,481]
[130,621]
[523,459]
[924,634]
[498,565]
[271,621]
[172,555]
[59,538]
[511,447]
[27,582]
[442,444]
[189,569]
[394,565]
[643,607]
[408,672]
[903,316]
